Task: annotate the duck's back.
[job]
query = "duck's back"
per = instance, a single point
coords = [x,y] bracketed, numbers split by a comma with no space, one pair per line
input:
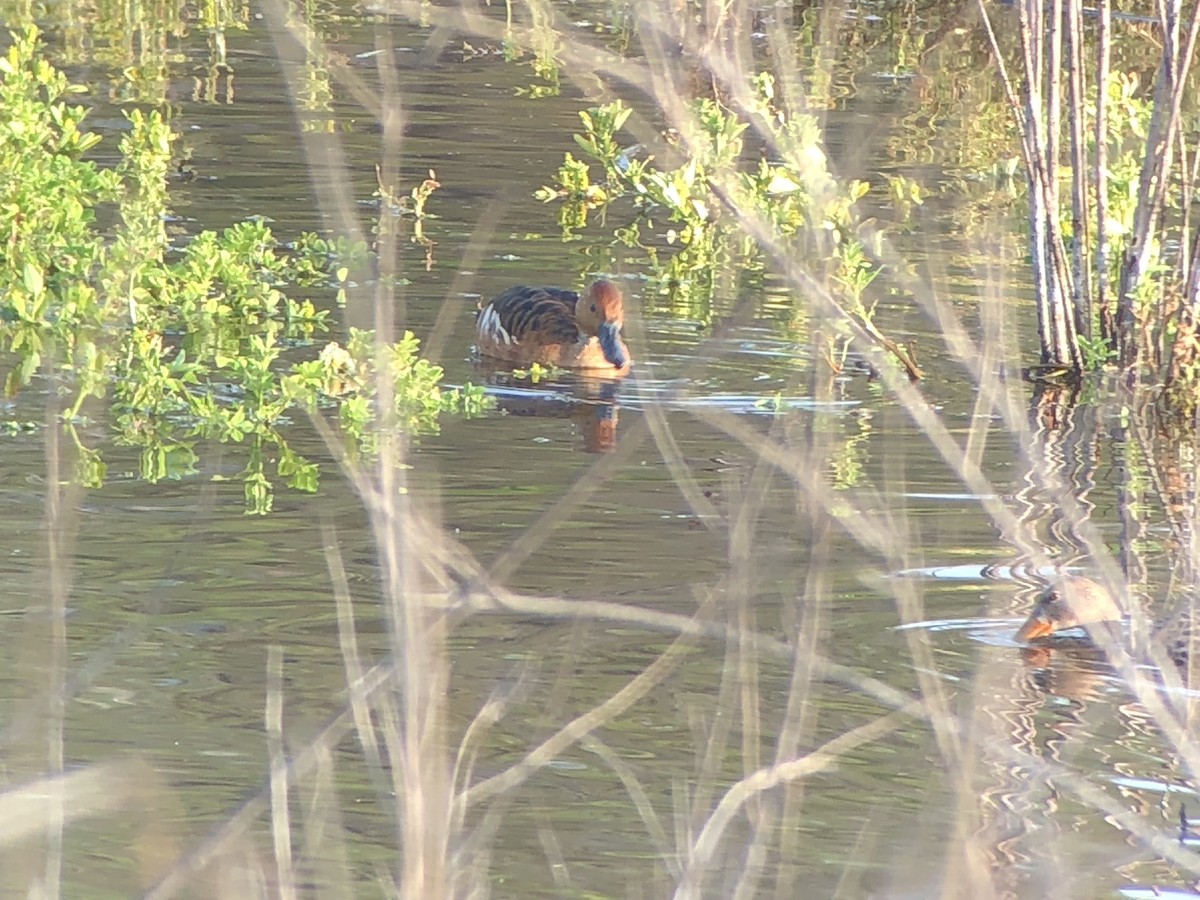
[528,316]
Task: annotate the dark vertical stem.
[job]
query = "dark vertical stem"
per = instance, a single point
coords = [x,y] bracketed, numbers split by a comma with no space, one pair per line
[1188,173]
[1028,18]
[1103,64]
[1059,275]
[1053,106]
[1052,279]
[1152,182]
[1080,222]
[1191,292]
[1182,352]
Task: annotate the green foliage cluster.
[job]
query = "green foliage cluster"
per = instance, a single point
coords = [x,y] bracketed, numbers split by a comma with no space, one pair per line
[1166,326]
[186,347]
[684,227]
[1127,117]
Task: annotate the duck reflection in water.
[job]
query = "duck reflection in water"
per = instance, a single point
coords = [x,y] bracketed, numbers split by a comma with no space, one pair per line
[592,403]
[597,420]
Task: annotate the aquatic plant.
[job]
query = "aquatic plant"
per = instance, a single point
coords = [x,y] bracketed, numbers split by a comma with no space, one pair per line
[689,217]
[185,345]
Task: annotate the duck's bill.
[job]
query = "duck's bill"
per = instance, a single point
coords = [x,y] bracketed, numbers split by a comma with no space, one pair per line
[1035,627]
[610,343]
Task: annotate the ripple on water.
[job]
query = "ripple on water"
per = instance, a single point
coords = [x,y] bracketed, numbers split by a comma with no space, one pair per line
[982,573]
[993,632]
[1149,784]
[559,395]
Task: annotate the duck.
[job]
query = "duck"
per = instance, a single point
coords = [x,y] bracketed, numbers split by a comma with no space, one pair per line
[554,326]
[1078,602]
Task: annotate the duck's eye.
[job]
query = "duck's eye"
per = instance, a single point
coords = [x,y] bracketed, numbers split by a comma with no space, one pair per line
[593,307]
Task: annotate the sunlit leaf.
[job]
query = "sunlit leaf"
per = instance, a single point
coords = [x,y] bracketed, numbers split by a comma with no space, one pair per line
[781,183]
[33,279]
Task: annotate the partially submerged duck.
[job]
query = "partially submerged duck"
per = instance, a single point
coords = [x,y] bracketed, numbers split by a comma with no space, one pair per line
[552,326]
[1073,601]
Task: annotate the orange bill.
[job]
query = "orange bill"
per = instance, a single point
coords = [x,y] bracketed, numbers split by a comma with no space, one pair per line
[1035,626]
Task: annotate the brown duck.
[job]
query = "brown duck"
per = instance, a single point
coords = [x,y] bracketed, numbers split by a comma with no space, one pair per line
[1073,601]
[552,326]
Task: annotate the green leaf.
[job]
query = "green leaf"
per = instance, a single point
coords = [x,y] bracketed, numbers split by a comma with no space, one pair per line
[34,282]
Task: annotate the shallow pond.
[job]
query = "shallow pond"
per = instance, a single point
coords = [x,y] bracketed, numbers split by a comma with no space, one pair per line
[895,570]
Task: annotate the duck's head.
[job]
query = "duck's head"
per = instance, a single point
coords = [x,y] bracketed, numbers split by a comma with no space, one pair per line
[1071,602]
[601,311]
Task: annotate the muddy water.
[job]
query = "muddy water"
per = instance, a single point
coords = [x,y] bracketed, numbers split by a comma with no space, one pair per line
[174,595]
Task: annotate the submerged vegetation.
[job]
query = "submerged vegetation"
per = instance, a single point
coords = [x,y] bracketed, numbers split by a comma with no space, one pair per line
[185,346]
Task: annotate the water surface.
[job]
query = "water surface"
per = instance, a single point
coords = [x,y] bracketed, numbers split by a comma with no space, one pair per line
[175,596]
